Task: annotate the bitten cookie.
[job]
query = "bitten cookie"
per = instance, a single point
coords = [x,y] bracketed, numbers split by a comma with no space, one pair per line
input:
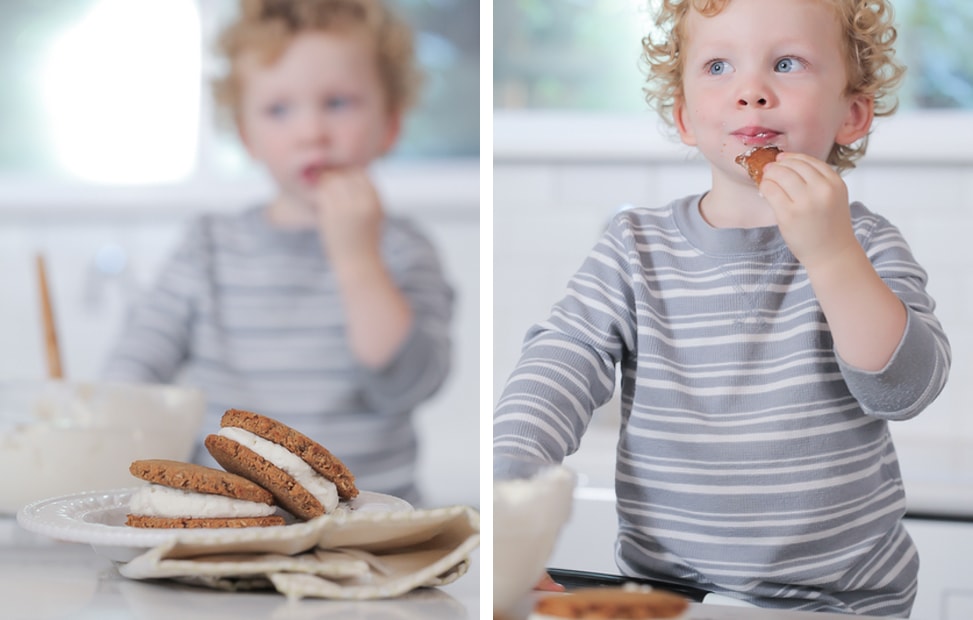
[754,160]
[610,603]
[304,477]
[186,495]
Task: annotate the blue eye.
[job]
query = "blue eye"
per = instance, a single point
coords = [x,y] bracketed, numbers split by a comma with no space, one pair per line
[787,65]
[277,110]
[718,67]
[339,103]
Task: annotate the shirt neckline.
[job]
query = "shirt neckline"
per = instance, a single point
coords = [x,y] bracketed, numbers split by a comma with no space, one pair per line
[761,240]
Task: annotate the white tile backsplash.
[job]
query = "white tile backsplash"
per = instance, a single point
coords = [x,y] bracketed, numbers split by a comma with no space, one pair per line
[586,186]
[524,185]
[675,180]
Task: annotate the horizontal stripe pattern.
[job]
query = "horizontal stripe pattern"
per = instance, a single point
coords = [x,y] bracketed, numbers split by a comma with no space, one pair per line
[253,315]
[751,460]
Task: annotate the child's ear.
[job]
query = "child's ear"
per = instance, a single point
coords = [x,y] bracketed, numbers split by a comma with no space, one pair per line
[680,116]
[858,120]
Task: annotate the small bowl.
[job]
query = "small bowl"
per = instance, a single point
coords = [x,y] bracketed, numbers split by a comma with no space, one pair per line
[531,502]
[59,437]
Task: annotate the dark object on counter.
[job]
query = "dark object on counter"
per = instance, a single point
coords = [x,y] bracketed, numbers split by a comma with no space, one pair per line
[576,579]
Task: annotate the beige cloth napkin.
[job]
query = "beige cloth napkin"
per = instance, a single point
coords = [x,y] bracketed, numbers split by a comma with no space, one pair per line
[365,555]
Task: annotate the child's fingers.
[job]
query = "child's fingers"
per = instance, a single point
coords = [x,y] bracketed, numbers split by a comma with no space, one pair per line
[546,584]
[809,168]
[781,183]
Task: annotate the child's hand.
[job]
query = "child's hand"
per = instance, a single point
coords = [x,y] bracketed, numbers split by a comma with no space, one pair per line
[810,202]
[547,584]
[349,214]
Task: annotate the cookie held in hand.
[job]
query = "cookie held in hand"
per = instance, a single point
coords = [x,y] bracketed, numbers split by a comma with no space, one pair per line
[754,160]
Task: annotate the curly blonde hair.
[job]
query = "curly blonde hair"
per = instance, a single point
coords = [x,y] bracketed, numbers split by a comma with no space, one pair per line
[266,27]
[869,36]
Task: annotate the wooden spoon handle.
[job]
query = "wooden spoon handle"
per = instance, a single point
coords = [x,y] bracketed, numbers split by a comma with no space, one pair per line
[47,319]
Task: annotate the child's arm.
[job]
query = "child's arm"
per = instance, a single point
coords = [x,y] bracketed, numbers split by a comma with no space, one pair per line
[866,318]
[810,201]
[892,350]
[568,365]
[422,362]
[350,221]
[379,315]
[398,303]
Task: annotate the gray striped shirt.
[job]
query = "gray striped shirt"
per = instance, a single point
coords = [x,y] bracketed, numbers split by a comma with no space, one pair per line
[751,460]
[253,315]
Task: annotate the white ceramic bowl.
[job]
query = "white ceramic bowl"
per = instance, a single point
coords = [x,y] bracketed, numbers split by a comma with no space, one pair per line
[59,437]
[531,502]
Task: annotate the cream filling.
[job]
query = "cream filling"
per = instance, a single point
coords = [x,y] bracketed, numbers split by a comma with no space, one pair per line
[156,500]
[317,485]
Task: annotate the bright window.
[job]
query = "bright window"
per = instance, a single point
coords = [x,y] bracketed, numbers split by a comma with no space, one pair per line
[108,91]
[116,92]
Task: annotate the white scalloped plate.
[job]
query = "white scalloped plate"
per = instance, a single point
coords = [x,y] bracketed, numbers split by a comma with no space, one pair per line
[98,518]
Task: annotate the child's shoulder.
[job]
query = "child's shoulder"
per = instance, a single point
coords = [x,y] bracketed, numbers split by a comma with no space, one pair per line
[243,228]
[221,220]
[866,221]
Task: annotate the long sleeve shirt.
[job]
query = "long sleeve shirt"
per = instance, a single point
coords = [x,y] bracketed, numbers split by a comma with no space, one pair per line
[252,314]
[751,459]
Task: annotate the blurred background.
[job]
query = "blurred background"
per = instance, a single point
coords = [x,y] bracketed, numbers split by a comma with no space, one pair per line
[574,142]
[584,54]
[109,143]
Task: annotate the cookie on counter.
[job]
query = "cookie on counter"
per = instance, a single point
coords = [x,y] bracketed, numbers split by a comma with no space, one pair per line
[611,603]
[304,477]
[187,495]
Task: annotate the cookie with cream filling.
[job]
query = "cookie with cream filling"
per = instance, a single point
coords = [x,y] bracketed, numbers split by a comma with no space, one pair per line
[187,495]
[304,477]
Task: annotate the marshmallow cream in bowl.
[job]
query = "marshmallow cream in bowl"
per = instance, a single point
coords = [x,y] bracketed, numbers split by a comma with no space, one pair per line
[62,437]
[531,502]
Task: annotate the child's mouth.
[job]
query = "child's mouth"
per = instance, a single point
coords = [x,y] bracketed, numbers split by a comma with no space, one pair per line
[310,174]
[761,139]
[756,136]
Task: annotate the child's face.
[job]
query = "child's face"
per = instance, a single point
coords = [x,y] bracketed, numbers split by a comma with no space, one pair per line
[321,105]
[767,72]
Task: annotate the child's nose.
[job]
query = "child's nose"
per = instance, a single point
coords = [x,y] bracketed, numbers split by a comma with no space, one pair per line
[754,100]
[755,93]
[315,127]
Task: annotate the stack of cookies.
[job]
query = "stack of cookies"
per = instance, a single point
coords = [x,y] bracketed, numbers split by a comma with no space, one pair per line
[268,465]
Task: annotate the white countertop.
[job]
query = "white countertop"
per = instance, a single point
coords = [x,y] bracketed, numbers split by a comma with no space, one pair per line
[704,611]
[938,474]
[43,578]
